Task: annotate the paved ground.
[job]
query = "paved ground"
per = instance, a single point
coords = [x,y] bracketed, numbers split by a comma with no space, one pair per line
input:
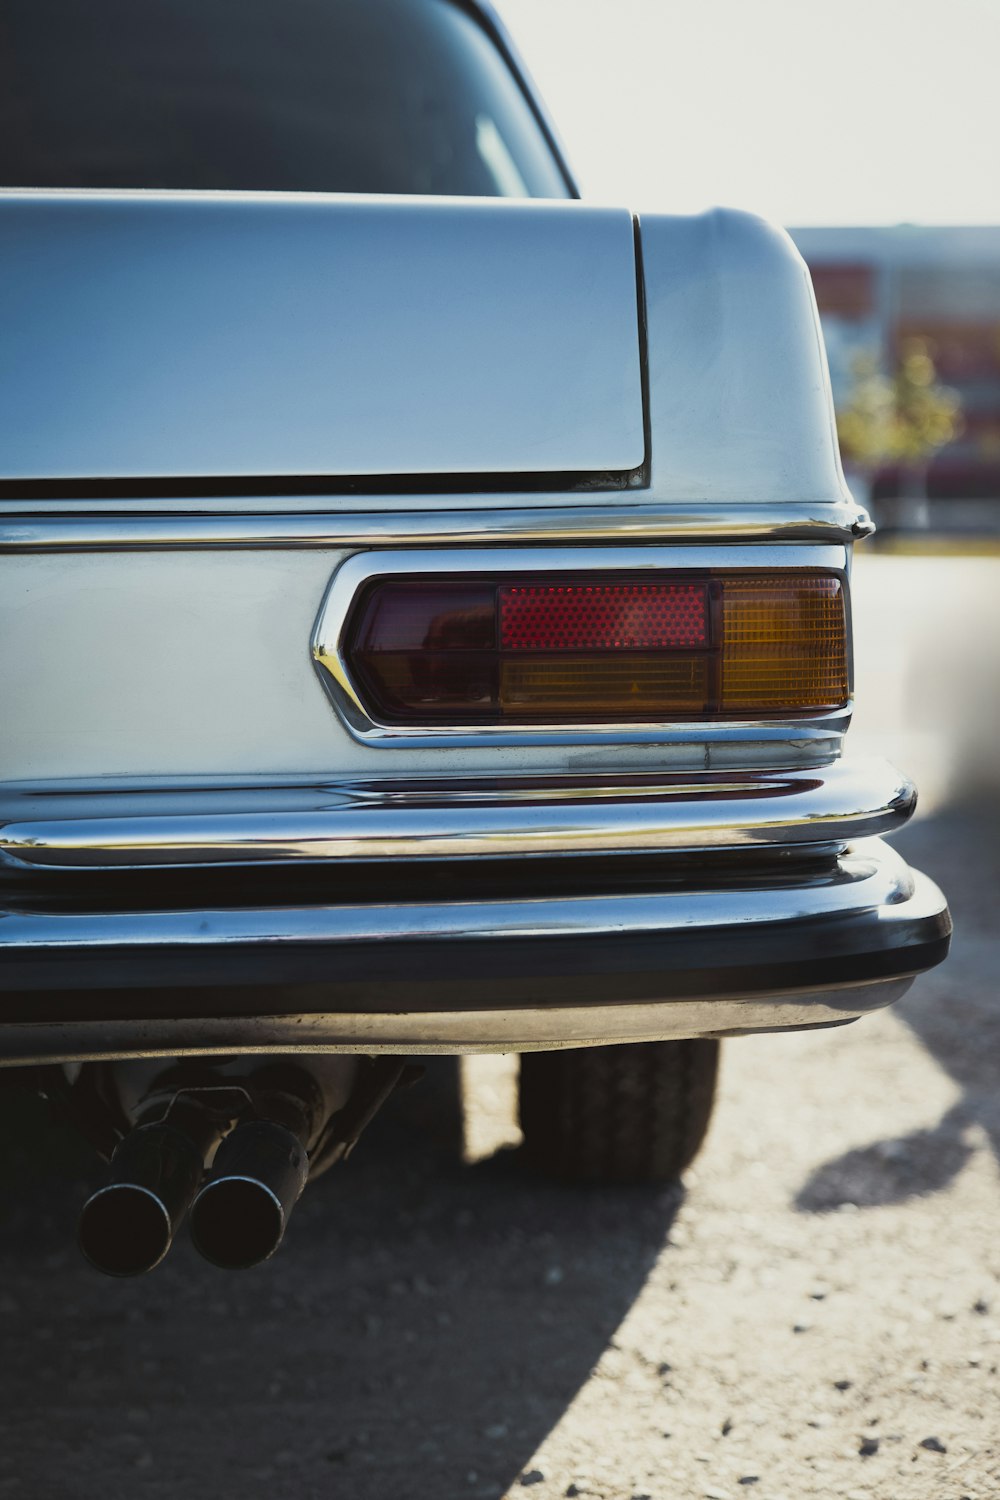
[819,1316]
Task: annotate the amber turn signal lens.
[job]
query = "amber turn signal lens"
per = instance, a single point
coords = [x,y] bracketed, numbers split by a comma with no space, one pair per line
[599,649]
[784,644]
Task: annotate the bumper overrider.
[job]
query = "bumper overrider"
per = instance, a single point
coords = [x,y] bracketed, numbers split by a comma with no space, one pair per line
[434,916]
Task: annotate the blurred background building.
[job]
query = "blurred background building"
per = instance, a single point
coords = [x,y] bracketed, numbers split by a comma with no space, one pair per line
[918,306]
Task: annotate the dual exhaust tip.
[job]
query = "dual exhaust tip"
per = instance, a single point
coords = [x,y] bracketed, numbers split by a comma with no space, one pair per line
[238,1216]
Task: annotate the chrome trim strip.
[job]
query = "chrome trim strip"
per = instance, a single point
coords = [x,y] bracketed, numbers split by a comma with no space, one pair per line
[94,528]
[49,829]
[437,1032]
[363,567]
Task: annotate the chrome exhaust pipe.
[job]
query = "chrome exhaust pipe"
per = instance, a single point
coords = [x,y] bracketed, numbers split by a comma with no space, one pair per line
[293,1120]
[240,1216]
[127,1226]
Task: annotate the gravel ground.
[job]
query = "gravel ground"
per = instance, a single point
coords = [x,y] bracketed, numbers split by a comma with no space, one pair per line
[817,1316]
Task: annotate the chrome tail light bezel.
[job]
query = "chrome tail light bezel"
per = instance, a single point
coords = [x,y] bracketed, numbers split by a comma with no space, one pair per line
[359,571]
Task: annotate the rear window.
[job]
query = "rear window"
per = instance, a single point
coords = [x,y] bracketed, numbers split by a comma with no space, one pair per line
[373,96]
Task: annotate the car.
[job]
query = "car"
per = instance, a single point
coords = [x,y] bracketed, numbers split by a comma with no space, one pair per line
[426,617]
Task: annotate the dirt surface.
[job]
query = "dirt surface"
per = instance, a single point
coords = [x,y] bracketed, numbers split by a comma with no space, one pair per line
[819,1314]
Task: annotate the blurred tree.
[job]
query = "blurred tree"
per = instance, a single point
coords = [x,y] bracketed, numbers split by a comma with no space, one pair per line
[902,418]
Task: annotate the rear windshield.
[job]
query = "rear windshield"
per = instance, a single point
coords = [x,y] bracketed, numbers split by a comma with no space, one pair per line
[372,96]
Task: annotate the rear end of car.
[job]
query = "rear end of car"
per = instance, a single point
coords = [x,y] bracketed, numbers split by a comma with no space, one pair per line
[426,620]
[427,628]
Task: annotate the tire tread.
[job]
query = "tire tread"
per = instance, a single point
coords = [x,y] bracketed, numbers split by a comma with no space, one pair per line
[633,1113]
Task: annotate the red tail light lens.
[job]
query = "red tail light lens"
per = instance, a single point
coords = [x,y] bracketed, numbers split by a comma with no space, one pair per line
[587,650]
[602,616]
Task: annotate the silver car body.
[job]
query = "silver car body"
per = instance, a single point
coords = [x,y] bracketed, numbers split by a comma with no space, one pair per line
[223,413]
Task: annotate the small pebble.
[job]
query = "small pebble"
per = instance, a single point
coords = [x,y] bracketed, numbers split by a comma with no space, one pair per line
[934,1445]
[868,1446]
[533,1476]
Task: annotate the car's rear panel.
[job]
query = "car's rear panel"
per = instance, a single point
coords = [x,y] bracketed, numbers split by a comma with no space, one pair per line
[242,392]
[252,409]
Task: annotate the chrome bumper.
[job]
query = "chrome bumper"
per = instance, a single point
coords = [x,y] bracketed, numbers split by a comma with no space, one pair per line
[817,946]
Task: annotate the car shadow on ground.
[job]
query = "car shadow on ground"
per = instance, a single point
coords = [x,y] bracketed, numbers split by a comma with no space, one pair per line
[955,1012]
[425,1326]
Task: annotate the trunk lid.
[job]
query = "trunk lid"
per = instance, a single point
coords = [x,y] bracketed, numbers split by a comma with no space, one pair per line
[231,336]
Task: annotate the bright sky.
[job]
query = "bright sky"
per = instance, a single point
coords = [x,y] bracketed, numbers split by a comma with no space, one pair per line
[808,111]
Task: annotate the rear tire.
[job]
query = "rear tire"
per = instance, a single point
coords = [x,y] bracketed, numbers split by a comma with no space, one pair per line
[635,1113]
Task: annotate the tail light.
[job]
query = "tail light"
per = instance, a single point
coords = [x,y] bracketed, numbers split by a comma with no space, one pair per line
[594,649]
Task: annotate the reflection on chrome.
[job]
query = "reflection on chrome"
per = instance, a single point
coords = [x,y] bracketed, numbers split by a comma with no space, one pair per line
[132,828]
